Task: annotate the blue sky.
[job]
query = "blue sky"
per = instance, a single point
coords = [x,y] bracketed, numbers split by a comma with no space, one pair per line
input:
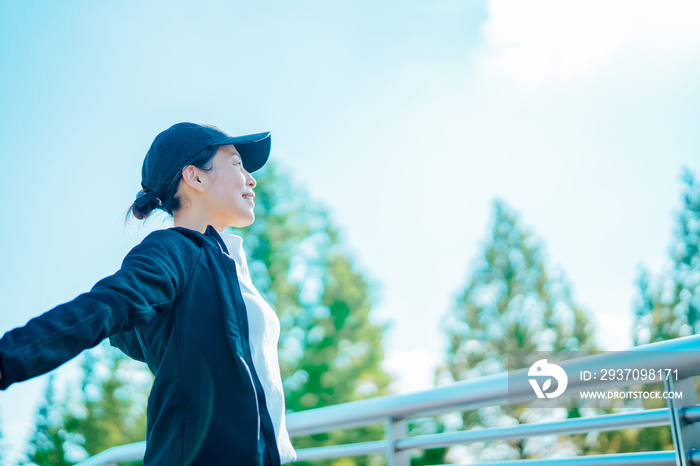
[406,119]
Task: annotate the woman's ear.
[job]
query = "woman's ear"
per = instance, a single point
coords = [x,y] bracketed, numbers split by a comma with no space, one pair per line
[191,176]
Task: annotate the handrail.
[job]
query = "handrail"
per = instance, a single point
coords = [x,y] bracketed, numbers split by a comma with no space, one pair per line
[637,419]
[491,390]
[498,389]
[130,452]
[656,458]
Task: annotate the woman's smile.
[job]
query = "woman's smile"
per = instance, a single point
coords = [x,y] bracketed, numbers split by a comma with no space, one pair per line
[249,197]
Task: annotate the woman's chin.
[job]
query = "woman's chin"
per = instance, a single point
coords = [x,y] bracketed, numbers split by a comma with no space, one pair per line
[244,221]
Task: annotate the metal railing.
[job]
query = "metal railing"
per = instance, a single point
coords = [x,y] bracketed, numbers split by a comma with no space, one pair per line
[394,411]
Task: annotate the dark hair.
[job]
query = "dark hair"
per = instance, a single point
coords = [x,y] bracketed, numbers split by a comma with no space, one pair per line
[168,200]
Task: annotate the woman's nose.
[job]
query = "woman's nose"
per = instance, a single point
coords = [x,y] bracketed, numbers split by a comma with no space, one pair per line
[250,180]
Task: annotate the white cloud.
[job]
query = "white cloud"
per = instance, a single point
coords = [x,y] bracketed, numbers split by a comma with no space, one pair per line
[538,40]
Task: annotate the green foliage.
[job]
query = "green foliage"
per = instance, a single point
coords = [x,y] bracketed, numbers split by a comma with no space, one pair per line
[668,305]
[427,426]
[512,306]
[110,410]
[106,410]
[46,444]
[330,351]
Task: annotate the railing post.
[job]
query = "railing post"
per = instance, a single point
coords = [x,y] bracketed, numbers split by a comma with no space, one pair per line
[686,435]
[396,429]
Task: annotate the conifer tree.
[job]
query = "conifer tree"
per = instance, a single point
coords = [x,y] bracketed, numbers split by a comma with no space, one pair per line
[110,408]
[512,306]
[46,443]
[668,306]
[106,410]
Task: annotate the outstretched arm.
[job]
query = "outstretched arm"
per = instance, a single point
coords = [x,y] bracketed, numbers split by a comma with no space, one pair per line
[151,277]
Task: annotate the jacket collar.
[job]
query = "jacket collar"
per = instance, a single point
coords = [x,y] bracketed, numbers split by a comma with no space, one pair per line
[210,236]
[212,233]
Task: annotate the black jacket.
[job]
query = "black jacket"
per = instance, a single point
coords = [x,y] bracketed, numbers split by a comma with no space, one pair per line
[176,305]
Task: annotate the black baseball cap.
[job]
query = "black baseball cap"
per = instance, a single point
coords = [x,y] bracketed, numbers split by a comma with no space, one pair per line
[173,149]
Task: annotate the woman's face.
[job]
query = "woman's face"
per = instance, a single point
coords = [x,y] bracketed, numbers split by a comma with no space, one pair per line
[229,190]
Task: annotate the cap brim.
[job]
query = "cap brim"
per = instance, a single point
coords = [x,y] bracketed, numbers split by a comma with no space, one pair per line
[254,149]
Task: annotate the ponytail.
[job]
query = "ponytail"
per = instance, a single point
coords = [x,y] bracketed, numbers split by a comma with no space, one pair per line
[147,201]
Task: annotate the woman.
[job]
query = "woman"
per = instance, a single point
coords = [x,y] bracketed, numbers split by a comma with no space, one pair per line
[183,303]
